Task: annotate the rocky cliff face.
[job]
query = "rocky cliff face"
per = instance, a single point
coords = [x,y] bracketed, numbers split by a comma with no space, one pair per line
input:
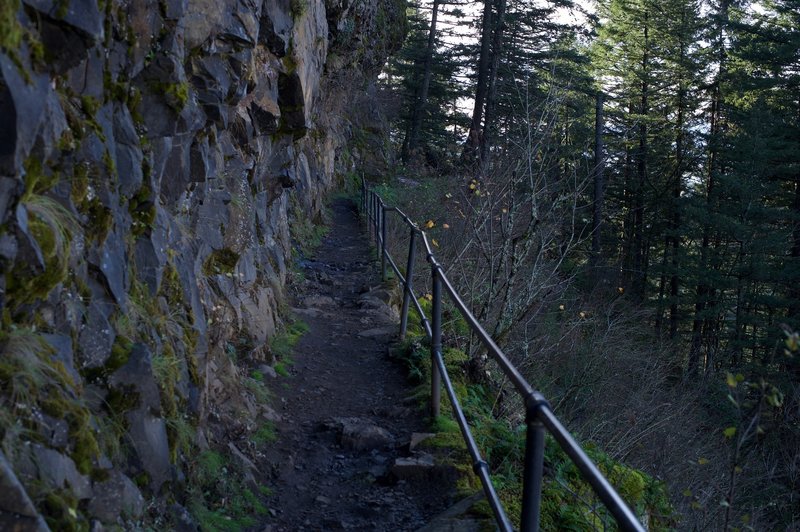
[157,159]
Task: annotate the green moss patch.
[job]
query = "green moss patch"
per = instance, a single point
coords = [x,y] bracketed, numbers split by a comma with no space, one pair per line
[143,211]
[176,94]
[220,262]
[219,499]
[10,28]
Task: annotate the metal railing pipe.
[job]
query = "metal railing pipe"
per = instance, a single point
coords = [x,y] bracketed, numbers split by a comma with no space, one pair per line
[624,516]
[511,372]
[383,242]
[479,465]
[436,339]
[407,285]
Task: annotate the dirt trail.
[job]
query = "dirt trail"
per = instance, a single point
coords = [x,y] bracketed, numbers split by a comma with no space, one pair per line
[346,414]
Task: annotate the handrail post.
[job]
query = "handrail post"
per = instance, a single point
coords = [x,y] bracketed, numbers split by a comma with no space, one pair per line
[363,195]
[369,214]
[534,464]
[383,242]
[436,339]
[407,286]
[375,217]
[378,216]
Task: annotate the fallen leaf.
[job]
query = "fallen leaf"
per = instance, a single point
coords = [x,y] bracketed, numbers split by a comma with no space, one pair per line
[430,224]
[434,242]
[445,226]
[729,432]
[702,461]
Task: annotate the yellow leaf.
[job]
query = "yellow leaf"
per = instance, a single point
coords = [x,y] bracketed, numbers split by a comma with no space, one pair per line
[561,307]
[434,242]
[731,380]
[430,224]
[687,493]
[429,297]
[582,314]
[739,377]
[729,432]
[621,289]
[696,505]
[505,210]
[702,461]
[472,186]
[445,226]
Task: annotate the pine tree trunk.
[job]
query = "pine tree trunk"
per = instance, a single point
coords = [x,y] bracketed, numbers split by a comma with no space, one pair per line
[599,184]
[473,143]
[491,99]
[422,100]
[701,324]
[639,251]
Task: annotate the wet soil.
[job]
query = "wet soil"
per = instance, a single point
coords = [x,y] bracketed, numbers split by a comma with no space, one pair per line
[346,409]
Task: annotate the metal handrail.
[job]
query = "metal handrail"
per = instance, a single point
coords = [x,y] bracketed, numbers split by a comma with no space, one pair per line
[539,415]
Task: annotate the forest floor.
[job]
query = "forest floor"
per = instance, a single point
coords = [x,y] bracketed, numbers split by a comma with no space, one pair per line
[344,456]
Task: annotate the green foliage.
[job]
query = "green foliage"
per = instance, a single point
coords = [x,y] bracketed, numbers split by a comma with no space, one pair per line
[258,389]
[219,499]
[221,262]
[281,369]
[10,28]
[265,434]
[60,509]
[176,94]
[282,342]
[52,226]
[32,378]
[142,208]
[306,235]
[297,8]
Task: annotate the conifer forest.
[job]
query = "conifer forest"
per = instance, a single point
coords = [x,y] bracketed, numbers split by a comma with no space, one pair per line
[619,183]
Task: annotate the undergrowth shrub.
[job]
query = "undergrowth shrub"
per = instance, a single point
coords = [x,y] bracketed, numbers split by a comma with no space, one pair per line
[568,502]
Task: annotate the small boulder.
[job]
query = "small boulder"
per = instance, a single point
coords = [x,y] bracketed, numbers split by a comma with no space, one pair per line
[318,301]
[418,467]
[182,519]
[58,471]
[360,435]
[17,511]
[116,497]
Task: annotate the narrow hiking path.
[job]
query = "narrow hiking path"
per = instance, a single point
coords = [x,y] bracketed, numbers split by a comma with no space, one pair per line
[342,459]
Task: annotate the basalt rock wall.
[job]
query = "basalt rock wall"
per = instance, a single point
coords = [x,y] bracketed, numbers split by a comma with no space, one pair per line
[159,159]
